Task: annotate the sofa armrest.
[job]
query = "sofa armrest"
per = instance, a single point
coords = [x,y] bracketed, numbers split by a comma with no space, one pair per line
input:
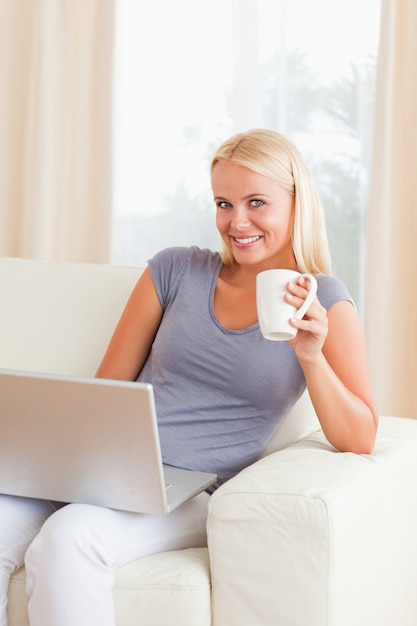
[310,535]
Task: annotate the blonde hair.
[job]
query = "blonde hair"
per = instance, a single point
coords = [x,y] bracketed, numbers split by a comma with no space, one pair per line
[271,154]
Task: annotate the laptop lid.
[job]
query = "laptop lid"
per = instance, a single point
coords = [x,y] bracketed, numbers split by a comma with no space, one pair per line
[87,440]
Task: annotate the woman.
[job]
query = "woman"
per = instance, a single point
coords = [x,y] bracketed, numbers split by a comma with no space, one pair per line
[190,328]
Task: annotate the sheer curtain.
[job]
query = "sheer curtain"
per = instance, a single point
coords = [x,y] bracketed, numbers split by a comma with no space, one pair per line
[190,74]
[56,62]
[391,290]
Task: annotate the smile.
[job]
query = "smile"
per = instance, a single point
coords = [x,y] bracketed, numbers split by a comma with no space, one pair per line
[246,240]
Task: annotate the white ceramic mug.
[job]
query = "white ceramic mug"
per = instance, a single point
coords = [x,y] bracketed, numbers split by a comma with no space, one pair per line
[274,313]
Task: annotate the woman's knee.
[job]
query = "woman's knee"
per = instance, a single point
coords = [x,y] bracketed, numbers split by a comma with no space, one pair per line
[67,551]
[66,537]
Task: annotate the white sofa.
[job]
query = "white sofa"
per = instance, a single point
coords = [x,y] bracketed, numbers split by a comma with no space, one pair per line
[307,536]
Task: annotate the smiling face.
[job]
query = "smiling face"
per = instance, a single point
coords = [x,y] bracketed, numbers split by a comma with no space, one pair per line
[254,217]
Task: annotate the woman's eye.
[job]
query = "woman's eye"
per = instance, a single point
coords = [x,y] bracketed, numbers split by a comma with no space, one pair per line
[256,202]
[224,205]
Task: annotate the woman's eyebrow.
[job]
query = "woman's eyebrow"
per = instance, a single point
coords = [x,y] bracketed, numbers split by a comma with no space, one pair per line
[249,195]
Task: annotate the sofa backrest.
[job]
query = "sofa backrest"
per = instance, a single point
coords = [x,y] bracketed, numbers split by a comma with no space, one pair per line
[59,318]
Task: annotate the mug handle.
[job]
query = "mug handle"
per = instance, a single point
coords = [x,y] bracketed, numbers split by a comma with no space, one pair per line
[310,296]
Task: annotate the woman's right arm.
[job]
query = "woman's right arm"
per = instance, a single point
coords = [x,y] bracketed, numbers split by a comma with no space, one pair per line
[134,334]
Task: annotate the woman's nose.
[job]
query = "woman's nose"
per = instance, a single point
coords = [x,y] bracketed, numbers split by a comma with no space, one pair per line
[240,219]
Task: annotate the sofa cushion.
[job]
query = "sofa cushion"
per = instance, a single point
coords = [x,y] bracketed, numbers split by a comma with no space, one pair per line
[300,422]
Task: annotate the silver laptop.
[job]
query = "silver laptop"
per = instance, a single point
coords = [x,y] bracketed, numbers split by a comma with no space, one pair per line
[87,440]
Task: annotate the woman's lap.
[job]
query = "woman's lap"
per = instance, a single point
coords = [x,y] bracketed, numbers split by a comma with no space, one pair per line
[123,536]
[56,541]
[83,542]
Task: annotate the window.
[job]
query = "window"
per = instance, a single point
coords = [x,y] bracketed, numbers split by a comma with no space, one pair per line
[190,74]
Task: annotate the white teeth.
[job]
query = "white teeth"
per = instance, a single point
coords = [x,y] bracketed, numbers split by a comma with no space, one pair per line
[247,239]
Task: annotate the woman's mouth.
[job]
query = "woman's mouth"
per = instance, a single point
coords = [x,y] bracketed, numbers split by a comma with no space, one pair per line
[244,241]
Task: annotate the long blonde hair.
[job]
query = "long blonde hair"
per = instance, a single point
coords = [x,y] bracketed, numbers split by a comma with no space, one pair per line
[271,154]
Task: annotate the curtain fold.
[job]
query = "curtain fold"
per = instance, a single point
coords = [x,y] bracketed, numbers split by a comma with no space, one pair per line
[391,282]
[56,72]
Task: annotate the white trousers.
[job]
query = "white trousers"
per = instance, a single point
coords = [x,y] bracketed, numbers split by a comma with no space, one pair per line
[71,552]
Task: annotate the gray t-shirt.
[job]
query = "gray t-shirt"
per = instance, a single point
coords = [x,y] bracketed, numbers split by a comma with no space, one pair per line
[219,393]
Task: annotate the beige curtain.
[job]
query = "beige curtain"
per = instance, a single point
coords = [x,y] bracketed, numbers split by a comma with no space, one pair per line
[56,59]
[391,285]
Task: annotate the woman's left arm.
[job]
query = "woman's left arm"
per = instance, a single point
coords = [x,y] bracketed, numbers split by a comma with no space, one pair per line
[331,350]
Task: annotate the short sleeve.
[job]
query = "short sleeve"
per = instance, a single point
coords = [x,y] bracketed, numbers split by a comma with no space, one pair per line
[331,290]
[166,268]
